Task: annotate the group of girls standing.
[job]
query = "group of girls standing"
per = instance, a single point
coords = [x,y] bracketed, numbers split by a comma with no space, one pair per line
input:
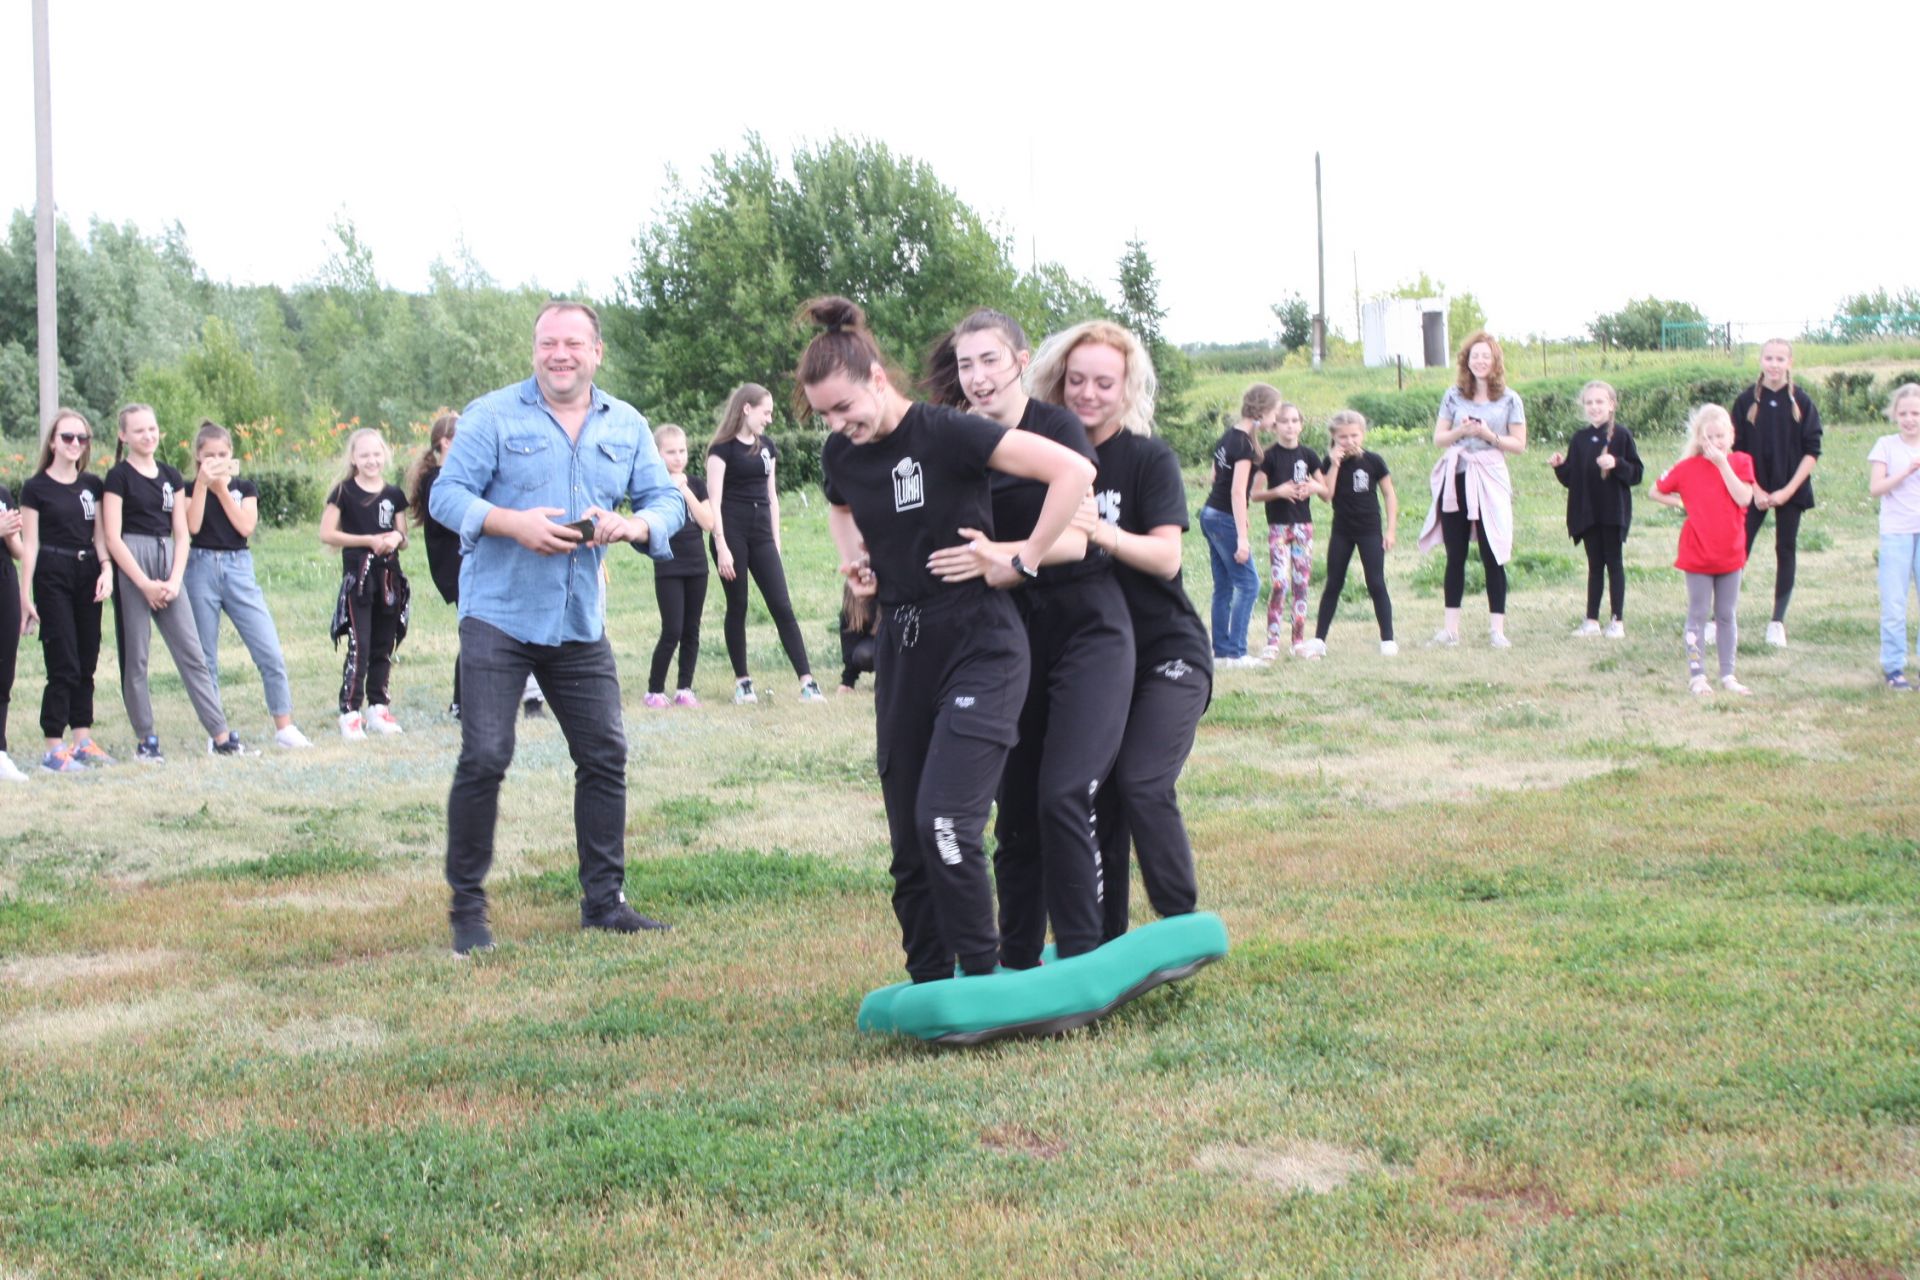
[996,645]
[167,553]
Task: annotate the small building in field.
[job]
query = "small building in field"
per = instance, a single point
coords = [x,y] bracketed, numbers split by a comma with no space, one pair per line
[1412,329]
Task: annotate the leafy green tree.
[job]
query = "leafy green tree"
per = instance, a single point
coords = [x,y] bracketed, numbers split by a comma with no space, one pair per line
[1296,322]
[1877,313]
[1637,326]
[1140,311]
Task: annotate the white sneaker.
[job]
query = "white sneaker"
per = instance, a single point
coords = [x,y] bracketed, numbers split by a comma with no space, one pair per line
[1711,634]
[1269,654]
[1300,650]
[353,726]
[1388,649]
[1616,630]
[1731,685]
[1313,648]
[9,771]
[1588,628]
[380,719]
[1777,634]
[291,738]
[1498,640]
[1444,638]
[1699,687]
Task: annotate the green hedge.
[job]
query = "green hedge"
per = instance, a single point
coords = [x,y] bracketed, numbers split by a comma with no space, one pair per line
[289,495]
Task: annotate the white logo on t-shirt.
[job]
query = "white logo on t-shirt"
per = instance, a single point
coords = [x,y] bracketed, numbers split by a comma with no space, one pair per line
[766,455]
[1173,670]
[166,495]
[963,701]
[1299,470]
[1107,502]
[386,513]
[1361,480]
[909,486]
[86,506]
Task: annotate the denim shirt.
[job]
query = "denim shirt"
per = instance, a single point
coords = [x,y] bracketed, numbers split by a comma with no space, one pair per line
[510,451]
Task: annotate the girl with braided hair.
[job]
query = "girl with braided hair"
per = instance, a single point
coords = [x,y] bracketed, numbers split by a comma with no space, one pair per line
[1778,426]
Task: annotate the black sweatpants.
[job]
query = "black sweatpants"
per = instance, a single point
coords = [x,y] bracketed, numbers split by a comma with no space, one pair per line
[1454,535]
[69,636]
[368,667]
[1786,551]
[1605,565]
[9,639]
[1046,861]
[681,600]
[749,536]
[948,686]
[1373,563]
[1138,805]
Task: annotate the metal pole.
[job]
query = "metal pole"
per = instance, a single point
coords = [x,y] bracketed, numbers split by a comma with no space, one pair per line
[1320,232]
[43,219]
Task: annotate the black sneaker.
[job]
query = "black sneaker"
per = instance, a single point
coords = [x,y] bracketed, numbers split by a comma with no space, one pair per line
[470,934]
[147,751]
[622,919]
[230,746]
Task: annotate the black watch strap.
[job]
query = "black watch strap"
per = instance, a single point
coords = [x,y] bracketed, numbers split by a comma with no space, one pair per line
[1024,570]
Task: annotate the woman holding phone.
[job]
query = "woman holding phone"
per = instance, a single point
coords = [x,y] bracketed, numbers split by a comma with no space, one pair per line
[1481,421]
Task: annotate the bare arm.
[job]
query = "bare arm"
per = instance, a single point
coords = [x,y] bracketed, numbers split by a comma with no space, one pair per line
[197,505]
[1392,527]
[1155,552]
[852,548]
[1239,499]
[242,513]
[773,506]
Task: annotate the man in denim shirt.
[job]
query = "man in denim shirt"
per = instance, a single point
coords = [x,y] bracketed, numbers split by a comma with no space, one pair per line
[528,461]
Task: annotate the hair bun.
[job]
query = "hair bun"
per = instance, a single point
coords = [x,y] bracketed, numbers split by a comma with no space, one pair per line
[835,314]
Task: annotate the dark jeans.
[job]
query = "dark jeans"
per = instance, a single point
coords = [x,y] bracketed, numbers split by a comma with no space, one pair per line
[1454,534]
[680,599]
[1786,551]
[583,693]
[1605,566]
[69,637]
[749,535]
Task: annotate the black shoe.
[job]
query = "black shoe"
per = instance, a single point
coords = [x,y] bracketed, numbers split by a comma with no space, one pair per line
[622,919]
[534,708]
[470,934]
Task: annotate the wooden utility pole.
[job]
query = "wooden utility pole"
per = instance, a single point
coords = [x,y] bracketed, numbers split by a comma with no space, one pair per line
[1320,227]
[43,219]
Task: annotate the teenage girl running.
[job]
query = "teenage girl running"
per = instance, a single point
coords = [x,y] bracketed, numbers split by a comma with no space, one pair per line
[64,561]
[367,519]
[679,584]
[1712,483]
[1599,469]
[1777,425]
[1894,477]
[223,510]
[1287,482]
[951,673]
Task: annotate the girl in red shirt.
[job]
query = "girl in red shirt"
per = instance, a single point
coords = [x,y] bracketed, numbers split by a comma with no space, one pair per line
[1713,485]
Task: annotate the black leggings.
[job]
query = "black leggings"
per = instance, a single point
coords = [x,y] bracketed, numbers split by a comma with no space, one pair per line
[1453,532]
[1786,551]
[681,599]
[750,538]
[9,639]
[1373,563]
[1605,564]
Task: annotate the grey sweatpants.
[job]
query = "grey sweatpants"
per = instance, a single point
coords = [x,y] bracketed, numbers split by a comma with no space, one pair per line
[1718,592]
[133,621]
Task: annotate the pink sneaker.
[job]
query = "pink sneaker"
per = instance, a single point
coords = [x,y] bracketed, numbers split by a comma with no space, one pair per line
[655,700]
[685,698]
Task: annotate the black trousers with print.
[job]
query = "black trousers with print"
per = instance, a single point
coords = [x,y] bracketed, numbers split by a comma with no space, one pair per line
[63,585]
[368,667]
[1139,805]
[949,681]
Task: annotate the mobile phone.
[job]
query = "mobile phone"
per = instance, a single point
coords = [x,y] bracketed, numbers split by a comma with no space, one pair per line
[583,527]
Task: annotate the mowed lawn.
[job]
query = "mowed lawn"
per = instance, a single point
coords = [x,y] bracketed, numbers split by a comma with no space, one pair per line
[1540,967]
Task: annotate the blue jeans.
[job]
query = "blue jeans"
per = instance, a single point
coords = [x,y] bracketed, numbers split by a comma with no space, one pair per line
[1899,570]
[1235,586]
[219,580]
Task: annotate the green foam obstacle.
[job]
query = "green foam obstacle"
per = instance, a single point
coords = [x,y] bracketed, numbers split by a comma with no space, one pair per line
[1058,996]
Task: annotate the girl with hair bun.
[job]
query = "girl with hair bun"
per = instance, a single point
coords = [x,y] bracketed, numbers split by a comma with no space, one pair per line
[951,664]
[1777,425]
[1046,862]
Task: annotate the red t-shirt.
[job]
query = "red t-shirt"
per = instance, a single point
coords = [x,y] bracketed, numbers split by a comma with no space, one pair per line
[1714,537]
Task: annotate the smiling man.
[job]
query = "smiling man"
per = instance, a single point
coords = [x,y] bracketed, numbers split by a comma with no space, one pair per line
[530,485]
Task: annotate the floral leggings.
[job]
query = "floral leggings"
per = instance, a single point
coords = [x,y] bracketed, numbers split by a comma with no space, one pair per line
[1290,550]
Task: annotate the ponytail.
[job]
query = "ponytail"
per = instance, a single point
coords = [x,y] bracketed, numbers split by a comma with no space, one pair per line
[844,345]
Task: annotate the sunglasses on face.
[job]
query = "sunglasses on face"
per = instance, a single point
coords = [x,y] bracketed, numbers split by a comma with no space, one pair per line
[68,437]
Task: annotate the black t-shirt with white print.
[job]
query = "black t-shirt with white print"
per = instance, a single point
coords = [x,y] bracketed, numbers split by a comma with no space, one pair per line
[1284,465]
[689,558]
[1356,495]
[1234,446]
[146,502]
[365,514]
[912,491]
[748,466]
[216,531]
[1138,487]
[1017,501]
[67,512]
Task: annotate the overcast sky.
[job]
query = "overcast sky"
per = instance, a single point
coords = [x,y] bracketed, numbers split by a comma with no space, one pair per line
[1555,160]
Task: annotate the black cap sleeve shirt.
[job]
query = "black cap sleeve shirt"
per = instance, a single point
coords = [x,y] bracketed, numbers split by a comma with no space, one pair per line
[912,491]
[365,514]
[146,502]
[1017,501]
[67,512]
[689,561]
[1139,489]
[1284,465]
[1356,495]
[216,531]
[1234,446]
[748,466]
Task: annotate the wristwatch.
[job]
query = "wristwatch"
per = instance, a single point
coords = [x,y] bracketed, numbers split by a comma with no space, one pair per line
[1021,567]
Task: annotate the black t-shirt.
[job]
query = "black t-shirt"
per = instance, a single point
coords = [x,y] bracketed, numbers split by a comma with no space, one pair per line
[1139,488]
[365,514]
[6,504]
[689,557]
[1283,465]
[216,531]
[1775,441]
[67,511]
[1017,501]
[146,502]
[912,491]
[1356,495]
[443,547]
[748,467]
[1235,446]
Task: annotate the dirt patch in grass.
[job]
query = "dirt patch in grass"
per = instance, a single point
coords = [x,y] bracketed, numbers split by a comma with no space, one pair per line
[88,1024]
[302,1037]
[1014,1140]
[1522,1206]
[54,970]
[1317,1167]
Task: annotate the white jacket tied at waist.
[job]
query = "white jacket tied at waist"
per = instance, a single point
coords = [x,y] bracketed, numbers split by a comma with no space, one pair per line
[1489,497]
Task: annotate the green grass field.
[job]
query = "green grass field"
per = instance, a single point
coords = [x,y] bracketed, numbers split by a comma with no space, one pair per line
[1540,968]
